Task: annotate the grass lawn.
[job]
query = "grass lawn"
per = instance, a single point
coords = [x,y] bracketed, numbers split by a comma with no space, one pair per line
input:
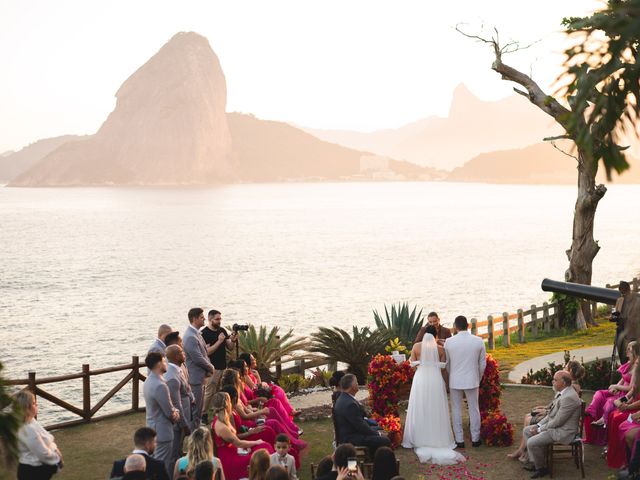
[89,450]
[556,341]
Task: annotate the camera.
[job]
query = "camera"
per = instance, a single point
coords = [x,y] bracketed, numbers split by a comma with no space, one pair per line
[240,328]
[618,320]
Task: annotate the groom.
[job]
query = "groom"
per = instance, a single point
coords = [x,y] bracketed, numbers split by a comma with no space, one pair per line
[466,361]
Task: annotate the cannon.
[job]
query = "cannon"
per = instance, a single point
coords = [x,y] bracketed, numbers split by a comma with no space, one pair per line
[585,292]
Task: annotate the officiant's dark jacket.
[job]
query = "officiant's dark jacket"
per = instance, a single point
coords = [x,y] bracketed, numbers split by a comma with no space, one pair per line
[351,426]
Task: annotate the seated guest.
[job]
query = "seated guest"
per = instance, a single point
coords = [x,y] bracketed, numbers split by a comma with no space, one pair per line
[233,452]
[324,466]
[255,382]
[577,372]
[282,456]
[385,466]
[259,464]
[144,441]
[334,382]
[351,426]
[199,449]
[597,413]
[159,344]
[204,471]
[276,472]
[135,467]
[341,457]
[38,455]
[560,425]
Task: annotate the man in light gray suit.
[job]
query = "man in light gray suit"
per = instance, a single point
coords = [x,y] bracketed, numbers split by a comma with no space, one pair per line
[158,344]
[198,364]
[180,397]
[161,414]
[560,425]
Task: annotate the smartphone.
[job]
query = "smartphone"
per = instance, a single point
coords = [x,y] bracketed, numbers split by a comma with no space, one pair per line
[352,464]
[243,451]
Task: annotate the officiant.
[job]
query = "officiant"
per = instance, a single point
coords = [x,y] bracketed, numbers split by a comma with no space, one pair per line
[442,332]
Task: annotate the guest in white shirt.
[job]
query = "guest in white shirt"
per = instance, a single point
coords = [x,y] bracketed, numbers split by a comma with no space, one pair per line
[39,456]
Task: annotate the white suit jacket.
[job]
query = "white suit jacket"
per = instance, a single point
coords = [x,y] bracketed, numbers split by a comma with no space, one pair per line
[466,360]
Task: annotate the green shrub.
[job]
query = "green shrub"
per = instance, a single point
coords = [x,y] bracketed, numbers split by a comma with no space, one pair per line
[400,323]
[293,382]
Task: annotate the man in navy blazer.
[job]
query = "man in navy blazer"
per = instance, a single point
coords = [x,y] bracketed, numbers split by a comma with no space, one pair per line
[144,441]
[198,363]
[351,427]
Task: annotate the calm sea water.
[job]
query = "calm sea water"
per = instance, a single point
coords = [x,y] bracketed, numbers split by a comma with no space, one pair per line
[88,274]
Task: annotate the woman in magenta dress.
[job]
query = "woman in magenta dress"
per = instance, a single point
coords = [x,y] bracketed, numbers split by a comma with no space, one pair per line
[253,380]
[622,420]
[597,413]
[234,463]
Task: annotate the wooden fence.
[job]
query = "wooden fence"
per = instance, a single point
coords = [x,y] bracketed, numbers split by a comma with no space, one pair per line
[539,318]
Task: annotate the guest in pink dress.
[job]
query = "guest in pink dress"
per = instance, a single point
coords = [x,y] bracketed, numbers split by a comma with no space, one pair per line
[602,404]
[235,462]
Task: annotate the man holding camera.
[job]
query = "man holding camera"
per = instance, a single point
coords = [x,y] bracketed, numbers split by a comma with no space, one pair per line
[627,315]
[217,340]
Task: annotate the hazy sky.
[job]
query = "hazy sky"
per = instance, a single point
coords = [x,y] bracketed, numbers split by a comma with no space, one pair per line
[360,65]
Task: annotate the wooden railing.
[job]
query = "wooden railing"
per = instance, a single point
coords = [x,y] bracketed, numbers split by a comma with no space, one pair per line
[88,412]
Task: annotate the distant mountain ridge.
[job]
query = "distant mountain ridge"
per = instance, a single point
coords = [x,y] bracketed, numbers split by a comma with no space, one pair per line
[472,126]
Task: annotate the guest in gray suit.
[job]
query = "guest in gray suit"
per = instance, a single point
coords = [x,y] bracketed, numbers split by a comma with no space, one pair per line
[179,392]
[158,344]
[161,414]
[198,364]
[560,425]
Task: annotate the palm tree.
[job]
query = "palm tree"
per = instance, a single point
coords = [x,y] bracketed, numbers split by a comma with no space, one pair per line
[267,346]
[356,351]
[400,324]
[10,421]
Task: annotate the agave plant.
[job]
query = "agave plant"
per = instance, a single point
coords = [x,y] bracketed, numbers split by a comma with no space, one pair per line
[267,346]
[10,421]
[355,350]
[401,323]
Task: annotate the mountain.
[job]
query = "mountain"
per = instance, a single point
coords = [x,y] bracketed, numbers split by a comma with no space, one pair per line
[13,164]
[536,164]
[169,127]
[265,151]
[473,126]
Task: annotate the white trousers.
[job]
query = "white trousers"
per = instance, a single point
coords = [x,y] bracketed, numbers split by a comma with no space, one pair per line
[474,413]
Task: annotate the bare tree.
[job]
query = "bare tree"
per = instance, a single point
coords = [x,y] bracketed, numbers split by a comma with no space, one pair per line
[583,246]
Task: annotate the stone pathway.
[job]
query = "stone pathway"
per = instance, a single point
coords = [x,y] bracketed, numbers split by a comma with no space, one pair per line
[538,363]
[318,399]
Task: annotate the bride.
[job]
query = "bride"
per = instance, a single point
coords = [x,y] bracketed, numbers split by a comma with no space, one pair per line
[428,425]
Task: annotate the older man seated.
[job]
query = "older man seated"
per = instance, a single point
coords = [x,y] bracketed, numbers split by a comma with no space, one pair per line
[134,467]
[560,425]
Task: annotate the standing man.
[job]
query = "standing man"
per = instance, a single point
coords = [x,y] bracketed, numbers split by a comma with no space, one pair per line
[217,340]
[466,361]
[628,305]
[158,344]
[179,392]
[442,332]
[161,414]
[198,364]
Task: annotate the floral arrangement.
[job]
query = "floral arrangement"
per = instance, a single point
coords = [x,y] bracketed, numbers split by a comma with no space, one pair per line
[496,430]
[396,346]
[494,427]
[385,380]
[392,426]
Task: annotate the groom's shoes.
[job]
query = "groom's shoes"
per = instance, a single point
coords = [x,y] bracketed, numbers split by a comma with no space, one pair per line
[543,472]
[475,444]
[459,444]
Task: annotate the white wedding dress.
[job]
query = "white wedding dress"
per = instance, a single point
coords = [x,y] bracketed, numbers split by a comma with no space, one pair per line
[428,424]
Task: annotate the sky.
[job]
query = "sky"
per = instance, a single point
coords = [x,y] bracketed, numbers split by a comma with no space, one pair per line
[350,64]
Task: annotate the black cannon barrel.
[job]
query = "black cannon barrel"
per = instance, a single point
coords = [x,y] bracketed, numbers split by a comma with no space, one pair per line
[586,292]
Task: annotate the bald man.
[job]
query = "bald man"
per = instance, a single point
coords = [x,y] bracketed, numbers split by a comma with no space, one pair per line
[179,392]
[134,467]
[560,425]
[159,344]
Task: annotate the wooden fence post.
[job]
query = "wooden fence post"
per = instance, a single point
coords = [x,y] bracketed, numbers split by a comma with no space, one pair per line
[556,316]
[534,321]
[545,317]
[278,363]
[520,326]
[31,386]
[474,326]
[490,332]
[86,393]
[506,335]
[300,365]
[135,385]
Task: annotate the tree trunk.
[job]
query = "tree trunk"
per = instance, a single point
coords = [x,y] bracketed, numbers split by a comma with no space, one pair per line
[583,247]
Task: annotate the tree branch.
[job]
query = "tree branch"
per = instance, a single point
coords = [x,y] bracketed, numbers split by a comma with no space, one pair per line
[562,151]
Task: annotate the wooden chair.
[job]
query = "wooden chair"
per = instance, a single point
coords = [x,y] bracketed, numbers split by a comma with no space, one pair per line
[574,450]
